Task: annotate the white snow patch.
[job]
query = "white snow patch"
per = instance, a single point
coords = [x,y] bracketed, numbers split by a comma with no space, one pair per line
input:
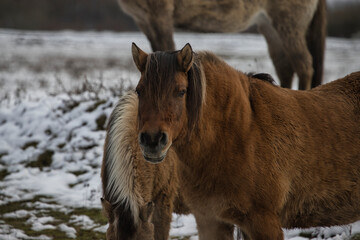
[39,224]
[183,225]
[7,232]
[82,220]
[101,229]
[69,231]
[19,214]
[42,205]
[355,228]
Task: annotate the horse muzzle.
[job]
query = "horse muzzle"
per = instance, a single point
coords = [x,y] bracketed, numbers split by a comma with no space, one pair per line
[154,146]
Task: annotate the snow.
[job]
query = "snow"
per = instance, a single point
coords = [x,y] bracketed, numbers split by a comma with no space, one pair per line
[42,205]
[46,108]
[101,229]
[18,214]
[39,224]
[70,231]
[183,226]
[83,221]
[9,233]
[49,62]
[355,227]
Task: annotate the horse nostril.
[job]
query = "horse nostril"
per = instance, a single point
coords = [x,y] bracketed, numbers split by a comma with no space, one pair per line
[143,138]
[163,139]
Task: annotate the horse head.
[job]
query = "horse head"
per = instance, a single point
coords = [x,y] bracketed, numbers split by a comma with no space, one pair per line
[144,229]
[170,96]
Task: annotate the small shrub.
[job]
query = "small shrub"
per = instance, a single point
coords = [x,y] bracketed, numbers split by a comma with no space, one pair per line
[100,122]
[306,235]
[2,154]
[43,160]
[356,236]
[78,173]
[3,174]
[61,145]
[95,105]
[30,144]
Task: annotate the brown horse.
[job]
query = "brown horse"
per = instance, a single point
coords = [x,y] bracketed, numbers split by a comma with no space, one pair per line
[295,30]
[139,197]
[251,153]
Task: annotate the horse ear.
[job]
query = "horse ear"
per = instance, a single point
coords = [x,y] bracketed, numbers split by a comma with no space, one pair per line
[185,58]
[146,212]
[139,57]
[107,209]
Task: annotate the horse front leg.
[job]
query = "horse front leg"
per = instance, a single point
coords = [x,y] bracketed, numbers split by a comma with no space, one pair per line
[212,229]
[162,216]
[263,225]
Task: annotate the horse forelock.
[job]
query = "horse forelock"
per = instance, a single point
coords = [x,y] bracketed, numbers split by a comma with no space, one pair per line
[119,156]
[159,76]
[159,80]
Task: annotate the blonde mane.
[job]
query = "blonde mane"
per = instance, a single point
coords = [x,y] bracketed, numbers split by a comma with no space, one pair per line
[121,155]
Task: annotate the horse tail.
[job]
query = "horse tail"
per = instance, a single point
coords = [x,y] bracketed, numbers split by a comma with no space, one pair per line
[316,42]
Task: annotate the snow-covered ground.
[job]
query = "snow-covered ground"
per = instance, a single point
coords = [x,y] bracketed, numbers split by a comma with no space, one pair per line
[56,91]
[48,62]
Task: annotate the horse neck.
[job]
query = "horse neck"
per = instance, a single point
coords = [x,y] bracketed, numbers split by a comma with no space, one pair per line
[226,108]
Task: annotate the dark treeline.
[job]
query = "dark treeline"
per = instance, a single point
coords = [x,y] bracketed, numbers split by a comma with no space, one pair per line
[343,19]
[64,14]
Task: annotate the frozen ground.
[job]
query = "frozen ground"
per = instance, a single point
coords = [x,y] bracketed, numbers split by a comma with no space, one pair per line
[57,90]
[38,62]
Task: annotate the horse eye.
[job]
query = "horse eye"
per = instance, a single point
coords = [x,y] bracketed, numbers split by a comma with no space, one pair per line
[181,93]
[137,92]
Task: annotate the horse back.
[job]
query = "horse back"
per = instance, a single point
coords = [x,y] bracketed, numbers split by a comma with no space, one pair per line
[348,86]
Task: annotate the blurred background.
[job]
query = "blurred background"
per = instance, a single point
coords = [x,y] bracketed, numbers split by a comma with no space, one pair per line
[52,46]
[343,16]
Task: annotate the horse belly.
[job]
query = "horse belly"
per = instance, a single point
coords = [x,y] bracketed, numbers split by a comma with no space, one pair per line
[230,17]
[325,178]
[323,216]
[334,205]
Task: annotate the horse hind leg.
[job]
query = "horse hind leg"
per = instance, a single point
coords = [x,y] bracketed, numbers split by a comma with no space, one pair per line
[160,36]
[291,28]
[155,19]
[282,65]
[157,24]
[301,60]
